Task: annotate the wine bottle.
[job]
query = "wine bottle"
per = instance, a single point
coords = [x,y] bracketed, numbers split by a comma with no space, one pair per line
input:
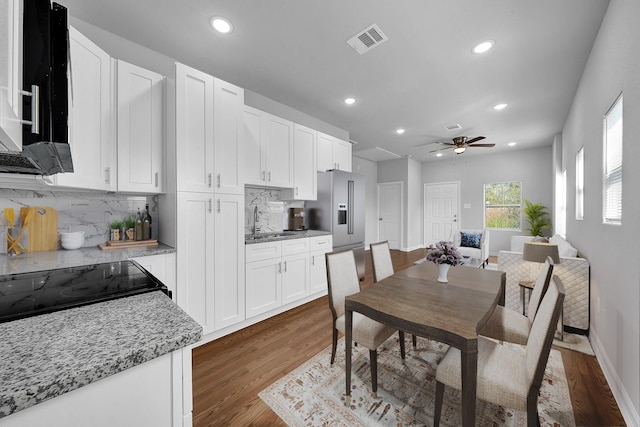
[146,226]
[139,232]
[148,217]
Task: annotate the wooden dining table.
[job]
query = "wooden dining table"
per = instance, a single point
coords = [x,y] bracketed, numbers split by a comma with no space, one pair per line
[413,301]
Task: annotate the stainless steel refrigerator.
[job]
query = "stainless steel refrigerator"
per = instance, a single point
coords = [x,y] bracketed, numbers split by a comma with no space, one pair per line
[340,210]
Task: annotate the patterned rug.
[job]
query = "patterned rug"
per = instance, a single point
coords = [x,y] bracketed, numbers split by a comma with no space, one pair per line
[313,394]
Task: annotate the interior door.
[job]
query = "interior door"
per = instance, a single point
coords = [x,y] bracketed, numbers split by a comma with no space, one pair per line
[441,211]
[390,213]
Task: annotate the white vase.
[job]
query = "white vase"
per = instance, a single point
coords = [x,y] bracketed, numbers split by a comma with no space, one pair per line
[443,269]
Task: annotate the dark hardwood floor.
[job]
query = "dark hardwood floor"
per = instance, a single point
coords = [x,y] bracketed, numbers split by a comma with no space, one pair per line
[229,373]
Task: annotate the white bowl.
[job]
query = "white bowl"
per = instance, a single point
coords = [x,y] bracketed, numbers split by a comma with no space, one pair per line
[72,235]
[71,245]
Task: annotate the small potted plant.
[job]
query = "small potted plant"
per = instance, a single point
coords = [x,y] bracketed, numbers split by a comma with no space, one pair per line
[129,224]
[538,218]
[115,226]
[444,254]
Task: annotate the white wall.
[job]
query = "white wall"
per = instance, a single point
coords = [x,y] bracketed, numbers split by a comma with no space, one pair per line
[370,170]
[613,251]
[533,167]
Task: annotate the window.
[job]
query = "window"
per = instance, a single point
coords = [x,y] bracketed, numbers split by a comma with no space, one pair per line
[502,204]
[580,184]
[612,167]
[560,222]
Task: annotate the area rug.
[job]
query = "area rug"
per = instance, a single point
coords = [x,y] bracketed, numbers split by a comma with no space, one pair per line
[314,395]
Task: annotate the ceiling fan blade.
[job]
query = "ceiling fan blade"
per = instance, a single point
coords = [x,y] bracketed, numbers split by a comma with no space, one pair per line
[440,149]
[446,143]
[477,138]
[482,145]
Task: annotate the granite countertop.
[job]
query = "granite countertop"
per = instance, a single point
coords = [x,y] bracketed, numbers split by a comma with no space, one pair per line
[37,261]
[51,354]
[283,235]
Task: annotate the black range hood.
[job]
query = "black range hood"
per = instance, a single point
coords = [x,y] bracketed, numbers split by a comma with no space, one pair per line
[45,140]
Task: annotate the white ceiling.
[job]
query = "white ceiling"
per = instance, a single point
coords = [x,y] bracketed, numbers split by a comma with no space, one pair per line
[423,78]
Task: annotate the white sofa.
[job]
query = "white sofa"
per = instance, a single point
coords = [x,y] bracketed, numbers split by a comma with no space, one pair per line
[481,253]
[572,270]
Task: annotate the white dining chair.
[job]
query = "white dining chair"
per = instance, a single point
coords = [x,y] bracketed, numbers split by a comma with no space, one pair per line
[343,281]
[508,375]
[509,325]
[383,267]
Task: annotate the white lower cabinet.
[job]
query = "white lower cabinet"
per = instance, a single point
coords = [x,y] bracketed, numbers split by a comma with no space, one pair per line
[282,273]
[319,246]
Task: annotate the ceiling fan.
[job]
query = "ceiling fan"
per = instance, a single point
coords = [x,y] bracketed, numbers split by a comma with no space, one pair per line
[461,143]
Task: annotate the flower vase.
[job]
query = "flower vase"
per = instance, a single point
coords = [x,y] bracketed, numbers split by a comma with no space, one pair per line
[443,270]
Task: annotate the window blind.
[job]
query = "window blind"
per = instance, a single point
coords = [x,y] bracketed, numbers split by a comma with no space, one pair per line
[612,176]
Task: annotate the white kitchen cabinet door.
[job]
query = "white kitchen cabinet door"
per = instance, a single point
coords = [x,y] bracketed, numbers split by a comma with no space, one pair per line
[140,129]
[304,165]
[195,255]
[91,117]
[263,284]
[229,262]
[278,152]
[162,267]
[295,277]
[194,130]
[325,152]
[318,268]
[342,155]
[11,76]
[268,156]
[228,128]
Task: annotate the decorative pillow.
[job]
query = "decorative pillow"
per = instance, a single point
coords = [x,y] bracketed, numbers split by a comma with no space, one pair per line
[470,240]
[565,249]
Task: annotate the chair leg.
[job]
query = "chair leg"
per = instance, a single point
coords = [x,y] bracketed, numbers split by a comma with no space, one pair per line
[439,398]
[373,360]
[532,409]
[334,345]
[415,341]
[402,351]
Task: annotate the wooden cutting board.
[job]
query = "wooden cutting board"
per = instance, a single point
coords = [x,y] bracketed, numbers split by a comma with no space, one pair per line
[42,229]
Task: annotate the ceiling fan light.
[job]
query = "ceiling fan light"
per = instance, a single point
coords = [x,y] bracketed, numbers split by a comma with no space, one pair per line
[459,150]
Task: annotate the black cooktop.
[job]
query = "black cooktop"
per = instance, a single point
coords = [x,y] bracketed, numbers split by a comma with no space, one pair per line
[29,294]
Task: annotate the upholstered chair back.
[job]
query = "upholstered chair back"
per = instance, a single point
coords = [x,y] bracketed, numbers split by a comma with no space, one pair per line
[540,287]
[542,332]
[381,260]
[343,279]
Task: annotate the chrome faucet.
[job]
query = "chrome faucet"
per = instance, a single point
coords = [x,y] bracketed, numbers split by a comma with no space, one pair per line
[255,227]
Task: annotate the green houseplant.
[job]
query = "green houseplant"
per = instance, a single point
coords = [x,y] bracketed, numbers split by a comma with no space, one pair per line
[538,218]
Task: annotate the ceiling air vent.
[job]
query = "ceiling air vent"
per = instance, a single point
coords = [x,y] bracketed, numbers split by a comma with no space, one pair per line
[367,39]
[453,127]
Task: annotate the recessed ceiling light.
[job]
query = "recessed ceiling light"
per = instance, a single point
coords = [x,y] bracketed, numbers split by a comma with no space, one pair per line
[484,46]
[439,155]
[400,131]
[500,106]
[349,101]
[221,25]
[511,144]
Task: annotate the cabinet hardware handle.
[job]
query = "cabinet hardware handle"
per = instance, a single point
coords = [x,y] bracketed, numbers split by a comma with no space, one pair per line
[219,206]
[210,206]
[285,266]
[264,176]
[313,260]
[107,175]
[209,179]
[218,180]
[269,176]
[280,267]
[35,109]
[156,179]
[296,191]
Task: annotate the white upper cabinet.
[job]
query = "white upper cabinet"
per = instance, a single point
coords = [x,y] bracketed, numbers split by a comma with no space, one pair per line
[140,129]
[333,153]
[228,145]
[209,133]
[269,149]
[91,117]
[194,129]
[10,75]
[304,164]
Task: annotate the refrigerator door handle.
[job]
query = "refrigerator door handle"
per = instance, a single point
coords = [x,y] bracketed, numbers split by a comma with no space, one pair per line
[350,207]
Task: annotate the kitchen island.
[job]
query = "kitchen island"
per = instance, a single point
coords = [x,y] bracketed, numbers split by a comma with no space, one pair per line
[118,362]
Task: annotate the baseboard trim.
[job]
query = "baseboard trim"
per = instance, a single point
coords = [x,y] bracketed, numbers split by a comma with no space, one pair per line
[629,412]
[412,248]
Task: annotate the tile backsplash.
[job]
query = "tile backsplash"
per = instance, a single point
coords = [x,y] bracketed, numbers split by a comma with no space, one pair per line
[88,212]
[272,212]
